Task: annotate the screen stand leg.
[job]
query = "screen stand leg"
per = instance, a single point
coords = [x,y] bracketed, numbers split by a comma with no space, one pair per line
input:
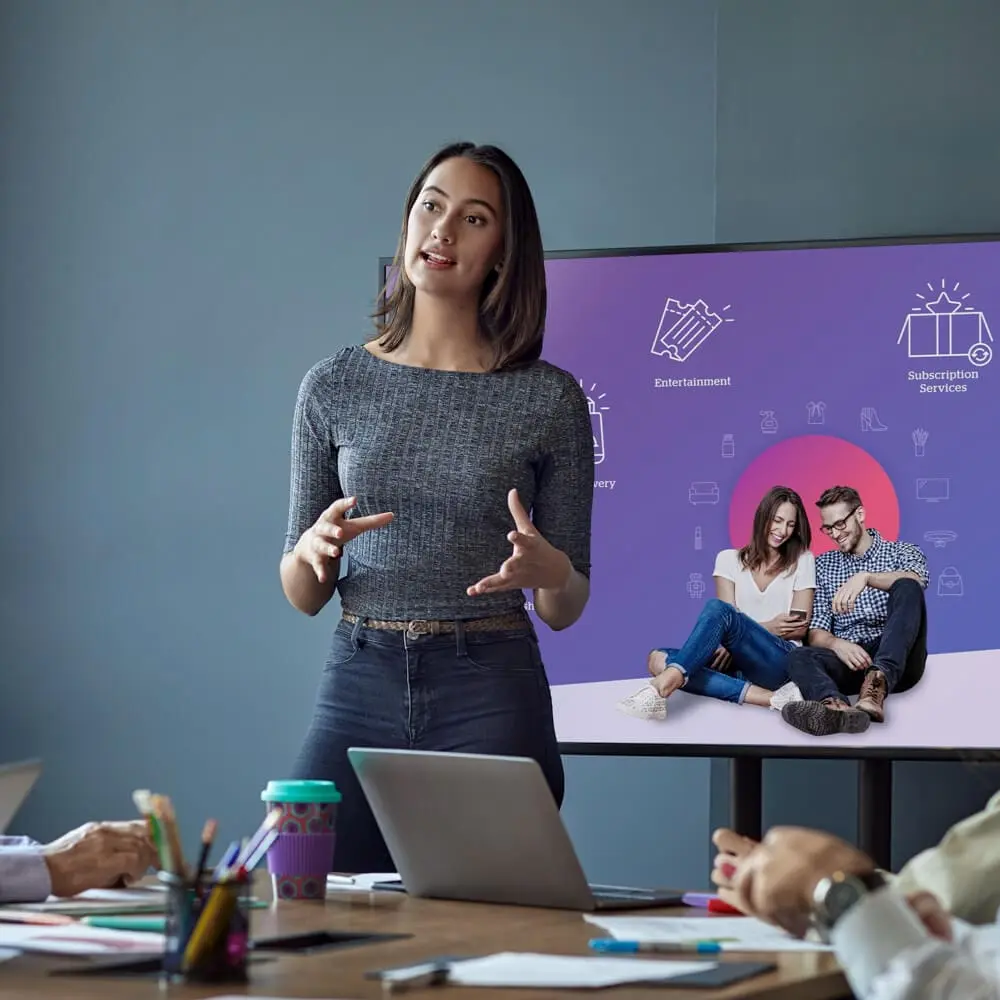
[875,810]
[745,783]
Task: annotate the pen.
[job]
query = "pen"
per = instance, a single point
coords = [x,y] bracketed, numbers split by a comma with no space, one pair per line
[399,980]
[40,919]
[250,847]
[709,901]
[260,850]
[207,836]
[228,859]
[707,947]
[153,924]
[701,899]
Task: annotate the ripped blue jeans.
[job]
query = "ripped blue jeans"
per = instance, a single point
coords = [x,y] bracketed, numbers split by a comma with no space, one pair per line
[758,656]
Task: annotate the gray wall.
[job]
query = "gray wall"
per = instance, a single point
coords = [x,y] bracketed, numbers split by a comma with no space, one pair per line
[192,201]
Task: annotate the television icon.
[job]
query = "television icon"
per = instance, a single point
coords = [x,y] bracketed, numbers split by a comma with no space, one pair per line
[703,492]
[933,490]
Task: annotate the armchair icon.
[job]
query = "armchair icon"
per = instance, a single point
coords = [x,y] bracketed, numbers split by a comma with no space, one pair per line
[703,492]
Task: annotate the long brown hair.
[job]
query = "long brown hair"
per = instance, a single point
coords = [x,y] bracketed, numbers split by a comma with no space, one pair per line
[757,552]
[513,300]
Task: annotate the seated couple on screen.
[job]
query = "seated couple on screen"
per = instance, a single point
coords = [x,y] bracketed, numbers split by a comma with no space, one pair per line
[859,609]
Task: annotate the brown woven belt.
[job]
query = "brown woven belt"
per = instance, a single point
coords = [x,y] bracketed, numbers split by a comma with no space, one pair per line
[421,626]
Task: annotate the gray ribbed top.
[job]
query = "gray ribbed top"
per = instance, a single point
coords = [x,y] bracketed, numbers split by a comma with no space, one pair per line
[440,450]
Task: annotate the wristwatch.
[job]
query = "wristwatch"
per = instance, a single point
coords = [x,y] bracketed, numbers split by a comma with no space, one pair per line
[835,895]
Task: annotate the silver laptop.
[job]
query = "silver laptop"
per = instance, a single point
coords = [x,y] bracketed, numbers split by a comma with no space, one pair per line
[484,829]
[16,780]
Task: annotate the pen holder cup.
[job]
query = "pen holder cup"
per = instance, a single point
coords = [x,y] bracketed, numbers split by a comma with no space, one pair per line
[207,935]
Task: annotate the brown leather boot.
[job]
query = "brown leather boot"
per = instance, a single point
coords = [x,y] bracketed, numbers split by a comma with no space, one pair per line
[874,691]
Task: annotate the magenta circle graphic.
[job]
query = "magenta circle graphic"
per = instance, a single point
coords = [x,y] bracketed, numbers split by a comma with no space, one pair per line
[809,465]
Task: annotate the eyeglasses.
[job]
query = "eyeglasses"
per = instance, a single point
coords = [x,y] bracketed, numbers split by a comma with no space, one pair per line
[838,526]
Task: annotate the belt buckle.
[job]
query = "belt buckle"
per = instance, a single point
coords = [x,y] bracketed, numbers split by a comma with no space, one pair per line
[417,628]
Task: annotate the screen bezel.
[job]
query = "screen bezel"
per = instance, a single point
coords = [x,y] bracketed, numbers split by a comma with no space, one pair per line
[972,755]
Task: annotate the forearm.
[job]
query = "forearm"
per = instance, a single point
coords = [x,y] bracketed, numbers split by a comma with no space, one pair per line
[304,592]
[561,607]
[888,954]
[24,875]
[883,581]
[822,639]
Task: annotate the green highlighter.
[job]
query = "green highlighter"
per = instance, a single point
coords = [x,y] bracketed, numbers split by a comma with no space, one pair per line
[155,924]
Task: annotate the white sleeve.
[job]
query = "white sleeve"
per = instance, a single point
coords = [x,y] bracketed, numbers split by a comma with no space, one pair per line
[887,954]
[805,572]
[963,870]
[726,565]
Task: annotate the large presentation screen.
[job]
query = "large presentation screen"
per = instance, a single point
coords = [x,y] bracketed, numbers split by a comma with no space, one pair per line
[714,376]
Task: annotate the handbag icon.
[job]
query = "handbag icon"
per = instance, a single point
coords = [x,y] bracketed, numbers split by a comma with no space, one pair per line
[950,583]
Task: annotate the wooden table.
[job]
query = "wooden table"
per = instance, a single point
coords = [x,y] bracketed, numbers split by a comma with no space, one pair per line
[437,928]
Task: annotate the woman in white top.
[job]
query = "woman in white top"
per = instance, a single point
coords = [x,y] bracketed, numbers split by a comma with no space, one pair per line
[738,648]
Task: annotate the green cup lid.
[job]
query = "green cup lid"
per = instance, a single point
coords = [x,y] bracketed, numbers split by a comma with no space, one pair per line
[300,791]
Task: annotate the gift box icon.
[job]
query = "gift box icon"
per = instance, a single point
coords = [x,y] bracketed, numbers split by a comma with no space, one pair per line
[684,327]
[945,328]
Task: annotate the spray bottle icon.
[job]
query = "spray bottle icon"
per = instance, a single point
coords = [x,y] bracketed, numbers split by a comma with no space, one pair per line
[597,427]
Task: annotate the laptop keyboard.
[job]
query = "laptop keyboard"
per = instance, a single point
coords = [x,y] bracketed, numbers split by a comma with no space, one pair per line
[621,892]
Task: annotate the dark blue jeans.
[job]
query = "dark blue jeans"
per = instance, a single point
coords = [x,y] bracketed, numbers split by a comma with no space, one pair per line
[758,656]
[900,652]
[471,692]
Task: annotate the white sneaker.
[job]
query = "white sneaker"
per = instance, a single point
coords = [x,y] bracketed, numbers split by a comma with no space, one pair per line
[644,704]
[785,695]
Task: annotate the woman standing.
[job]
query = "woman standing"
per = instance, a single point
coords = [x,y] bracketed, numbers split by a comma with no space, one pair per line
[453,470]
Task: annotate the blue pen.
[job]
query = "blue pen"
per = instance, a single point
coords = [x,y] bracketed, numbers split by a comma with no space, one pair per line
[610,945]
[232,853]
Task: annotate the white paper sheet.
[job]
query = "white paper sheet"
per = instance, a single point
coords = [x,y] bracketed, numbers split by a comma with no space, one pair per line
[79,939]
[527,969]
[747,933]
[140,900]
[8,953]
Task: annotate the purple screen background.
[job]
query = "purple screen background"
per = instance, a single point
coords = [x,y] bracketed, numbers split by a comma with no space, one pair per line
[807,324]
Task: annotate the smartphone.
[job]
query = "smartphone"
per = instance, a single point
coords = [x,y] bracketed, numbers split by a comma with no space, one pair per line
[798,613]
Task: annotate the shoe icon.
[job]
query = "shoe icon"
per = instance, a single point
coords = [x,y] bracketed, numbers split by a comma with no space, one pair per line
[870,420]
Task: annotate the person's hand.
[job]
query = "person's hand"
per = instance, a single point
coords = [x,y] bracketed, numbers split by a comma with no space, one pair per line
[733,848]
[786,625]
[847,594]
[99,856]
[776,880]
[533,565]
[326,539]
[932,914]
[852,655]
[721,659]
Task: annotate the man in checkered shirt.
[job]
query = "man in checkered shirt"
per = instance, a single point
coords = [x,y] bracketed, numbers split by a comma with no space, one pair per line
[868,632]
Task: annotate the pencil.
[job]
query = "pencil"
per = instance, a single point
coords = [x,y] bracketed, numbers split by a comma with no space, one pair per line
[143,800]
[207,836]
[213,922]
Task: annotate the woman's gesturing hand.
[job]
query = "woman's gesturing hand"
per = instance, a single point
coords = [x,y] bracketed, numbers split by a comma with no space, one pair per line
[325,540]
[533,563]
